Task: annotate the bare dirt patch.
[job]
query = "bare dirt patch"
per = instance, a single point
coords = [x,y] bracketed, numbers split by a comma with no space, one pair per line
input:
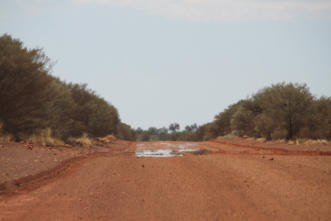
[228,183]
[25,167]
[248,146]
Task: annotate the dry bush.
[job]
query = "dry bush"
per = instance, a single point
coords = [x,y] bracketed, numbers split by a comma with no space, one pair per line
[300,141]
[291,142]
[227,137]
[310,141]
[107,139]
[279,134]
[5,138]
[261,140]
[44,137]
[251,138]
[83,140]
[279,141]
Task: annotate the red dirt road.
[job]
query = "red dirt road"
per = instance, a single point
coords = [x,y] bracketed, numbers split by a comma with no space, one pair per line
[236,183]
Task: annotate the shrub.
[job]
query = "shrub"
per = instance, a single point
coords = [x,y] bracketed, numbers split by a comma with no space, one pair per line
[279,134]
[107,139]
[301,141]
[83,140]
[319,141]
[31,99]
[261,139]
[44,137]
[5,138]
[227,137]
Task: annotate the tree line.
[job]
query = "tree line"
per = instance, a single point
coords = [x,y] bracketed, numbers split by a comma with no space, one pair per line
[281,111]
[31,99]
[171,133]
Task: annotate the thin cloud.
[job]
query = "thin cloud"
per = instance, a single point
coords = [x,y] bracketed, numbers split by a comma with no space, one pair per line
[226,10]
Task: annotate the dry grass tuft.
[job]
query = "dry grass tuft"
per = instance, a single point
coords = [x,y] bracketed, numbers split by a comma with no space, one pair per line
[83,141]
[310,141]
[44,138]
[251,139]
[107,139]
[227,137]
[261,140]
[291,142]
[280,141]
[5,138]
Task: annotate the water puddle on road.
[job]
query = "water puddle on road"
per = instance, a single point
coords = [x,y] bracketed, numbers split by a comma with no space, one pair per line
[164,149]
[157,153]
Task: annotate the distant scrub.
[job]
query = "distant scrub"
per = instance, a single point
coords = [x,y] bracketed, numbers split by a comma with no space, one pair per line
[171,133]
[38,106]
[282,111]
[32,101]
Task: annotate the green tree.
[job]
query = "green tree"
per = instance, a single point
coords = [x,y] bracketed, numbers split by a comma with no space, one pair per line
[318,121]
[24,81]
[32,100]
[92,114]
[242,122]
[288,105]
[223,120]
[174,127]
[125,132]
[58,109]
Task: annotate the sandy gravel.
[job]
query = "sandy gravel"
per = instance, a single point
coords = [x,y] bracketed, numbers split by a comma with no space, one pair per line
[227,184]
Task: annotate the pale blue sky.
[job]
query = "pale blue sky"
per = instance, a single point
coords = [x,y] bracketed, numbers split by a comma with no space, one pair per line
[182,61]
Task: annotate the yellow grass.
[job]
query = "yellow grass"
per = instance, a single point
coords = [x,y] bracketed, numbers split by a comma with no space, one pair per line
[227,137]
[45,138]
[107,139]
[279,141]
[310,141]
[84,140]
[261,140]
[251,138]
[6,138]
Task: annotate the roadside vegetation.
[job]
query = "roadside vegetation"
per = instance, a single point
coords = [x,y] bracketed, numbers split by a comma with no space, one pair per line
[36,106]
[282,111]
[171,133]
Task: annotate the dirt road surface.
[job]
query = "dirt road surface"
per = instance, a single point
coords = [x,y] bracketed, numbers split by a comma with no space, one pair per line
[229,183]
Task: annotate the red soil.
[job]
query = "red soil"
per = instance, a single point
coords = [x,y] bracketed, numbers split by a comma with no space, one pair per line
[244,183]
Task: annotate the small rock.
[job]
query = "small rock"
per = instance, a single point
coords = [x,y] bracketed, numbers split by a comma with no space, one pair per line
[271,158]
[263,156]
[143,165]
